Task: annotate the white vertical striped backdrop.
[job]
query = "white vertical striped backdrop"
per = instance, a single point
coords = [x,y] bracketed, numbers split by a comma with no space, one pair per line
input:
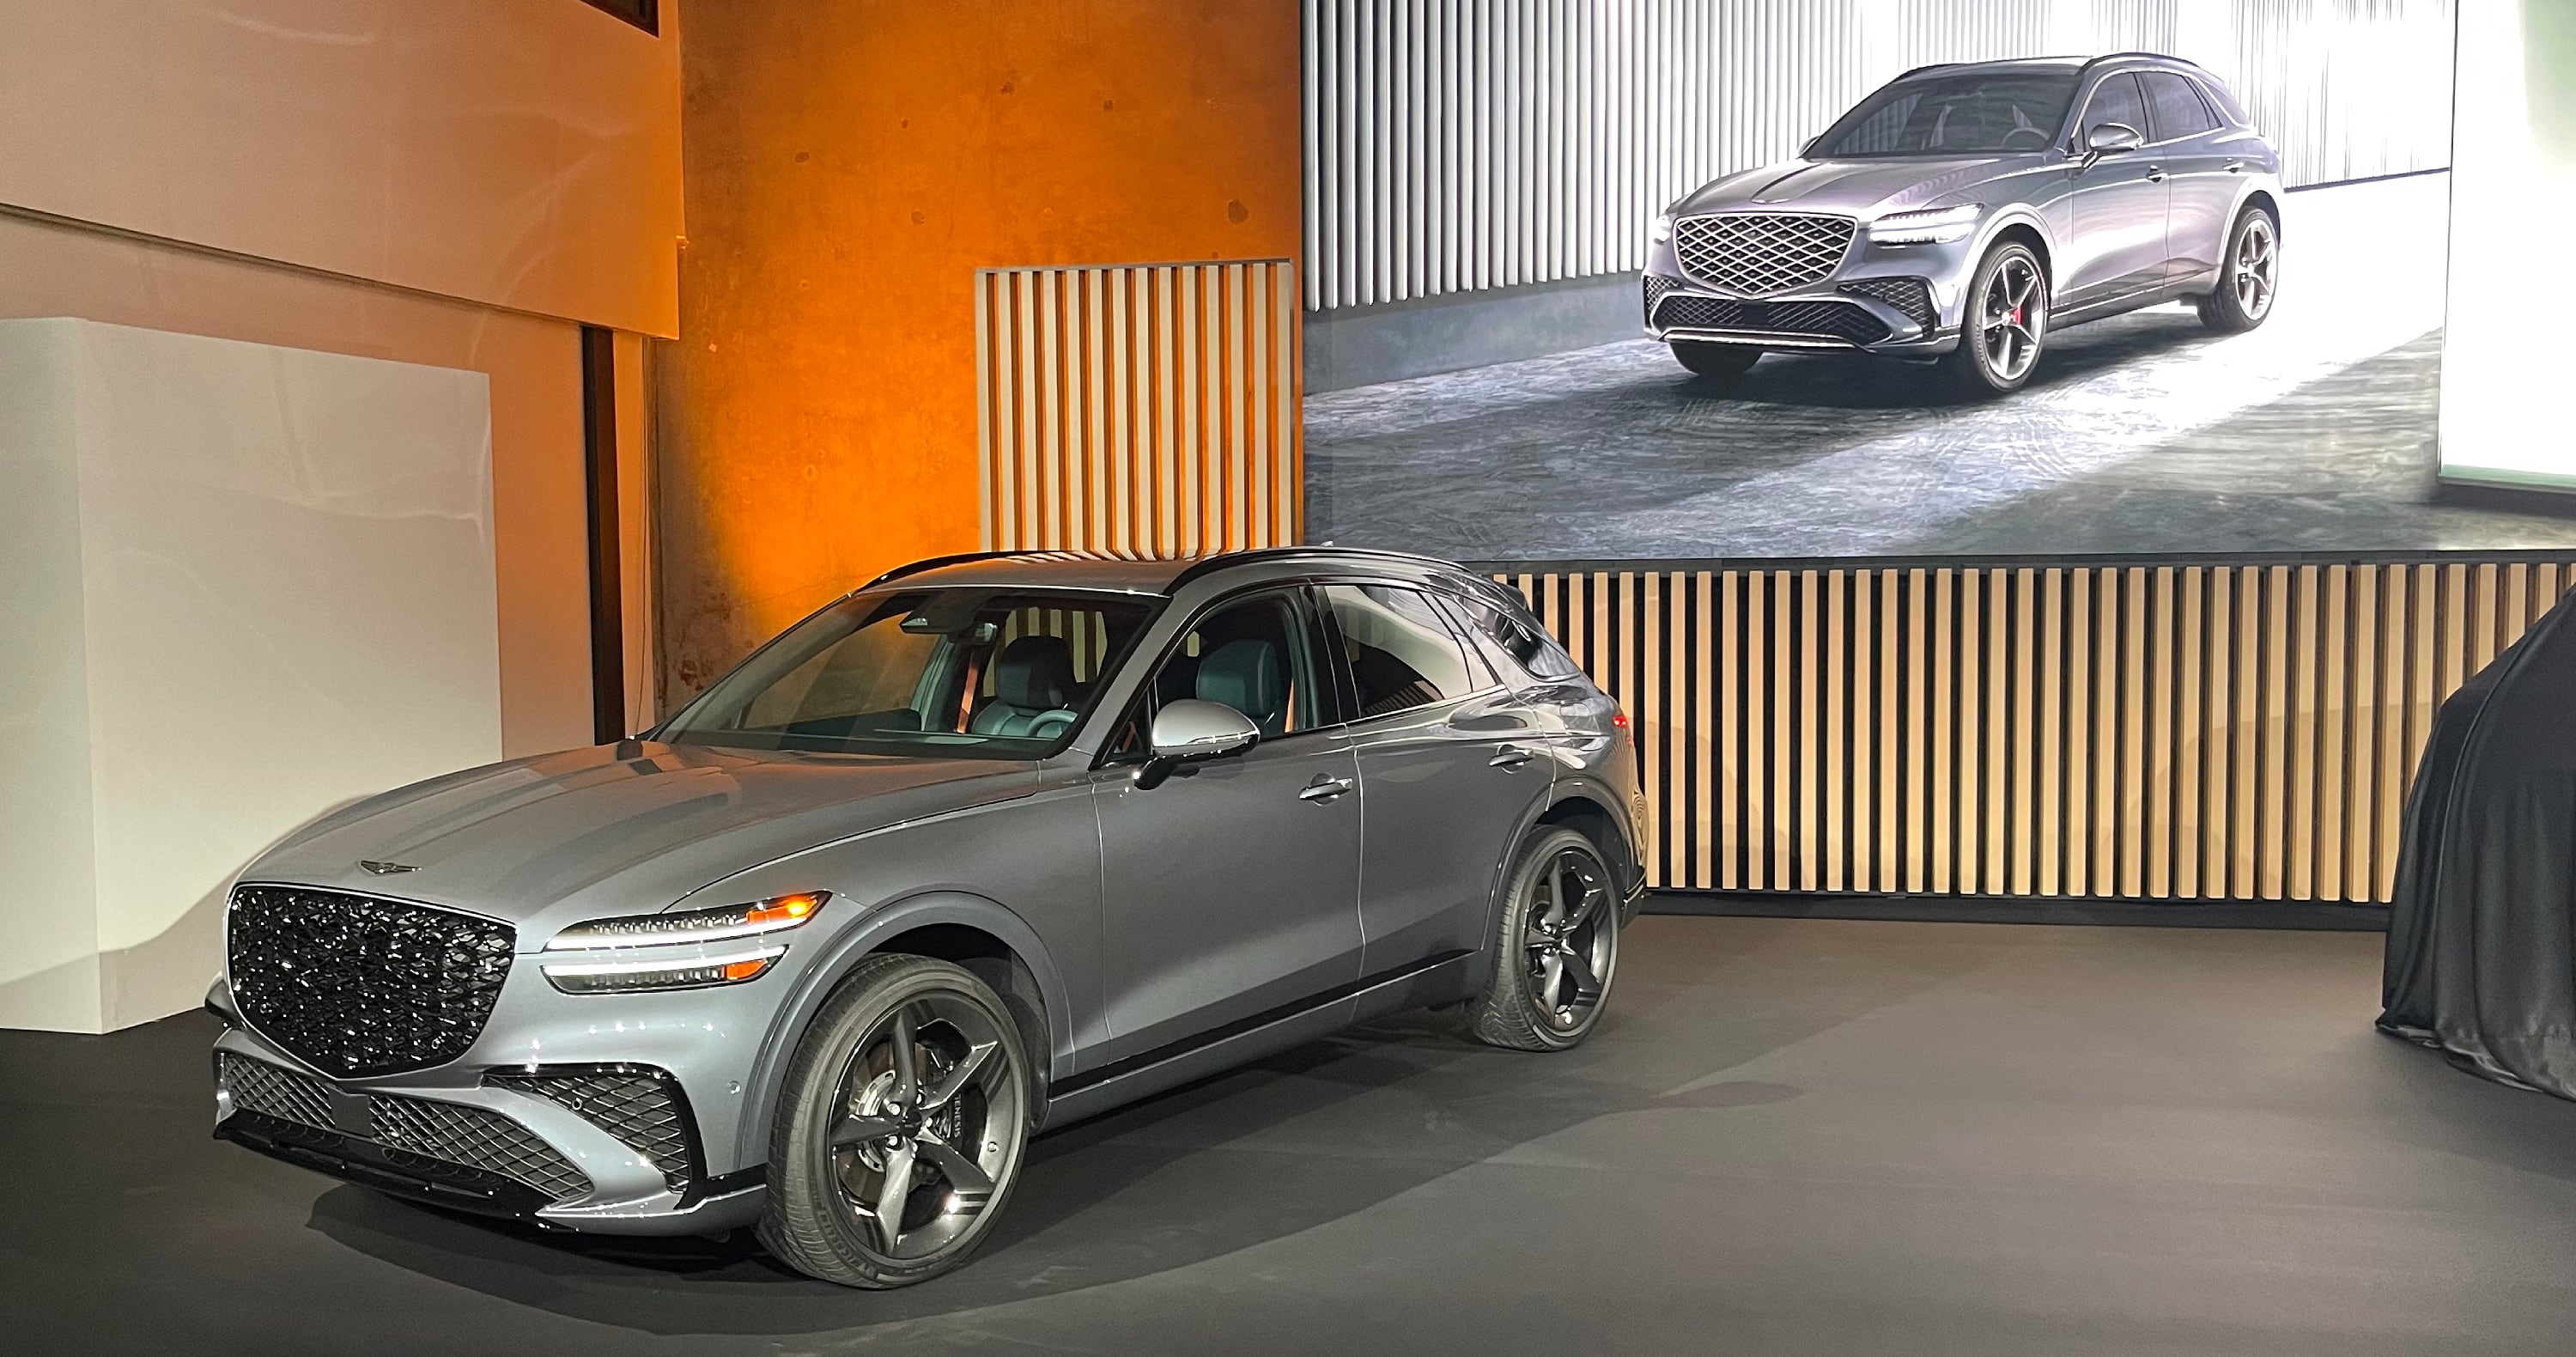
[1459,145]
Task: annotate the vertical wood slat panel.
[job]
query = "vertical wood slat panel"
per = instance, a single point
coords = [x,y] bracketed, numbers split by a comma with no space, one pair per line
[2208,732]
[1139,410]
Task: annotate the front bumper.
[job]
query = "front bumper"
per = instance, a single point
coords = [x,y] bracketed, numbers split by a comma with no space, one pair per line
[609,1114]
[1897,300]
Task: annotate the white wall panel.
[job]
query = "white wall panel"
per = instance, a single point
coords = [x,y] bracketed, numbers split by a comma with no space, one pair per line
[248,584]
[1460,145]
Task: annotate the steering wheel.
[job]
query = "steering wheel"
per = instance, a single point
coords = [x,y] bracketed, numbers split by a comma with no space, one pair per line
[2039,140]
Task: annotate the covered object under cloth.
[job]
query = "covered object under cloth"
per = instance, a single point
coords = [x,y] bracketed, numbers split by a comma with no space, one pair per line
[2481,956]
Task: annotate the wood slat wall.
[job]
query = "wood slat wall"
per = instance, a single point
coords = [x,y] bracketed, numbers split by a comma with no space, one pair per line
[2222,730]
[1139,409]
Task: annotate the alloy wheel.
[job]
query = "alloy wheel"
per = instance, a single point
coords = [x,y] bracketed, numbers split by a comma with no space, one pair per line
[1569,940]
[924,1132]
[2252,270]
[2011,316]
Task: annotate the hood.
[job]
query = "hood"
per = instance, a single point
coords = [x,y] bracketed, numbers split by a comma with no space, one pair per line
[619,829]
[1858,188]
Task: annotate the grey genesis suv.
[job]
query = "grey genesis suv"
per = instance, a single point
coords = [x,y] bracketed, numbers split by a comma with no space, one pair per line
[992,843]
[1963,212]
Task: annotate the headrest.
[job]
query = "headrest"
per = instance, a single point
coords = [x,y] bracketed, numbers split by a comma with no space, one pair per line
[1035,672]
[1247,676]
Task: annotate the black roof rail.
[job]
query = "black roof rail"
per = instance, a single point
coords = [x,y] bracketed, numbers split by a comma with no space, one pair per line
[2137,56]
[1210,564]
[933,563]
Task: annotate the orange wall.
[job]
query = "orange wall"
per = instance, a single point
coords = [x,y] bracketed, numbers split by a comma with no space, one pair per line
[848,167]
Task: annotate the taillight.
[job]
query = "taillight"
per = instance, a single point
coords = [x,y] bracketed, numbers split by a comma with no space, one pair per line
[1619,718]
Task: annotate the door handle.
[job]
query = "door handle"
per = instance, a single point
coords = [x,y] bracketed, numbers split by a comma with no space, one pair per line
[2156,174]
[1325,788]
[2236,167]
[1509,757]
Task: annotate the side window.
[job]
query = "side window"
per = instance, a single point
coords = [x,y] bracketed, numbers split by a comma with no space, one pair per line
[1400,653]
[2229,110]
[2115,100]
[1533,650]
[2178,109]
[1252,655]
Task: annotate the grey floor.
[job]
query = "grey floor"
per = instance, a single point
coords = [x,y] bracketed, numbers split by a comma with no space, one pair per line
[2143,433]
[1790,1136]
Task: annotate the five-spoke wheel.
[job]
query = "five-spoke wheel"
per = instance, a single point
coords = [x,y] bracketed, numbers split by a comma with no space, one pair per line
[2251,276]
[1558,948]
[2005,324]
[904,1118]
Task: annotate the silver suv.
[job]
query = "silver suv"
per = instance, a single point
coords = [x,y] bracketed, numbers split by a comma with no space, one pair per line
[993,843]
[1963,212]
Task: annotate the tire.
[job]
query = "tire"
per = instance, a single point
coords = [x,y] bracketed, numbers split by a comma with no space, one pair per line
[959,1159]
[1976,367]
[1716,362]
[1525,1006]
[2249,275]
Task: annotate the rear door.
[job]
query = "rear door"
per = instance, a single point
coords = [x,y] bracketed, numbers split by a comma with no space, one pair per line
[2191,142]
[1449,764]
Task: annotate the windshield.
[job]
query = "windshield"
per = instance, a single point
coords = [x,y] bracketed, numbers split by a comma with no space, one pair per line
[1954,113]
[936,673]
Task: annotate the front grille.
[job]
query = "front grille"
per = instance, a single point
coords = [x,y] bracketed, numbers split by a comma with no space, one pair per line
[1756,254]
[1911,297]
[449,1133]
[359,986]
[1831,320]
[642,1107]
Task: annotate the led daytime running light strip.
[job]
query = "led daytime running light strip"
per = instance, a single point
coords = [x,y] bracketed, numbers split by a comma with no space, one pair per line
[702,925]
[727,961]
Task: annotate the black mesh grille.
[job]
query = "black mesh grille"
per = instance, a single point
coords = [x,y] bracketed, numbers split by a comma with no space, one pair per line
[643,1108]
[1755,254]
[1656,286]
[1910,296]
[264,1088]
[357,986]
[449,1133]
[477,1138]
[1832,320]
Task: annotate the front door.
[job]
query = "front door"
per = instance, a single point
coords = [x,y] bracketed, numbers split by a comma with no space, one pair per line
[1231,889]
[2114,246]
[1450,765]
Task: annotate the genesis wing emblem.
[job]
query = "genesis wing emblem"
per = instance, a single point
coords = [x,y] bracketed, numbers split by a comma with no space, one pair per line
[386,868]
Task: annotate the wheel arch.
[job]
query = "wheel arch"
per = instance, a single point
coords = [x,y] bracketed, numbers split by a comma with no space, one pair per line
[979,934]
[2027,230]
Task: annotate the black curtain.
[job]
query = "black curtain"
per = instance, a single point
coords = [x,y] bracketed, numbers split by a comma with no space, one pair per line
[2481,959]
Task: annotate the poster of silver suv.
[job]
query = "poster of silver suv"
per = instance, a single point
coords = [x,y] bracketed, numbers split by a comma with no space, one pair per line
[993,843]
[1963,213]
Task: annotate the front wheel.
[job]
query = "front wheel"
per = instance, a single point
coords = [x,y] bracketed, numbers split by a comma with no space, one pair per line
[2250,277]
[2003,325]
[900,1126]
[1556,946]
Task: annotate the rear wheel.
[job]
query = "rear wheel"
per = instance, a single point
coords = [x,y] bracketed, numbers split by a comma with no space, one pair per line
[900,1126]
[2249,278]
[2004,324]
[1717,362]
[1555,948]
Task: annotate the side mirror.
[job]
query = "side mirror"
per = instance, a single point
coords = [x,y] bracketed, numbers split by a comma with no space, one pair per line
[2112,139]
[1189,731]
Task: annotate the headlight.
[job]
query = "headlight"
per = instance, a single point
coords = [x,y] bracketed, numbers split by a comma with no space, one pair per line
[1926,226]
[689,961]
[1662,230]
